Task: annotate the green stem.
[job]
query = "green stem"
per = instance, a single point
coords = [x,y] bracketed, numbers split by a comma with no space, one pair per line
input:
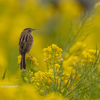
[54,68]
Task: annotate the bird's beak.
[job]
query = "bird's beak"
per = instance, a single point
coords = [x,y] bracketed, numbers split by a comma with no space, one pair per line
[33,29]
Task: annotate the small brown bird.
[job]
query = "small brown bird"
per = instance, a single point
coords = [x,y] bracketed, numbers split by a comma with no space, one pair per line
[25,45]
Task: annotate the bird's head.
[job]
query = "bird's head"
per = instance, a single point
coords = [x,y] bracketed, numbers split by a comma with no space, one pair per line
[28,30]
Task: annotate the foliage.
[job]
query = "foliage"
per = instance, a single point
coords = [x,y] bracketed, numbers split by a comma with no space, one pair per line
[77,83]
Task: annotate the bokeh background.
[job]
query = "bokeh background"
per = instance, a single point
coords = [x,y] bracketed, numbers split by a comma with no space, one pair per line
[51,19]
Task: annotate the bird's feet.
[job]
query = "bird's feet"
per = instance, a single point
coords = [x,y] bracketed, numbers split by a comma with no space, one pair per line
[30,55]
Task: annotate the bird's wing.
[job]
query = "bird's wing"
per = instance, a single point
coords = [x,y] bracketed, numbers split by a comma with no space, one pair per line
[25,43]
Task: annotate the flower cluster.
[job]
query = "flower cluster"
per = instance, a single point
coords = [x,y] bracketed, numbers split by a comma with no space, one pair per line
[65,78]
[52,52]
[32,65]
[19,59]
[45,82]
[52,56]
[28,76]
[32,60]
[54,79]
[90,56]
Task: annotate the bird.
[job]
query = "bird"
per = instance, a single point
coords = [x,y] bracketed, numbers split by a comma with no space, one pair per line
[25,44]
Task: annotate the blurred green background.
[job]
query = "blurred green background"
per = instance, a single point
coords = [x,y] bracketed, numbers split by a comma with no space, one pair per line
[51,19]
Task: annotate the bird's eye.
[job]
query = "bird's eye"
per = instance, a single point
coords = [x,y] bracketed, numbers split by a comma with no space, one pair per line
[29,30]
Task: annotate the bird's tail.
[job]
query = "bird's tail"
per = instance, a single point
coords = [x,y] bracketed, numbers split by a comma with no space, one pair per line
[23,62]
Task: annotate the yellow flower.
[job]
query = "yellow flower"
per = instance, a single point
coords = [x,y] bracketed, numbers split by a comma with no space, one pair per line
[49,57]
[27,56]
[25,78]
[92,59]
[93,52]
[33,59]
[31,73]
[60,50]
[65,76]
[51,70]
[37,84]
[51,53]
[86,54]
[42,91]
[62,90]
[50,74]
[57,70]
[39,73]
[32,79]
[57,66]
[78,76]
[45,50]
[65,81]
[90,56]
[73,71]
[83,61]
[54,46]
[19,59]
[67,69]
[49,49]
[36,63]
[49,81]
[57,77]
[56,55]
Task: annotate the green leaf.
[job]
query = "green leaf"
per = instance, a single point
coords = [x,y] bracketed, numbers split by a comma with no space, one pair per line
[4,74]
